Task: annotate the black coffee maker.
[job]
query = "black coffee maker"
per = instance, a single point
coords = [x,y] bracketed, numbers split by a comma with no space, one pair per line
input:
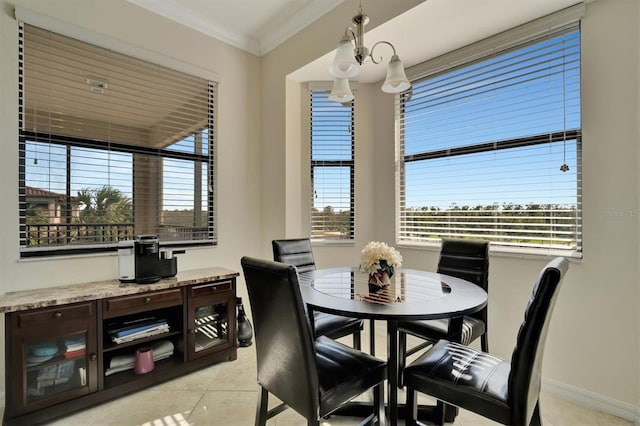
[148,262]
[147,256]
[141,260]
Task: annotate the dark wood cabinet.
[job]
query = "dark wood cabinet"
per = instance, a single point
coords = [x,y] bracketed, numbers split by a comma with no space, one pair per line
[51,357]
[64,358]
[211,323]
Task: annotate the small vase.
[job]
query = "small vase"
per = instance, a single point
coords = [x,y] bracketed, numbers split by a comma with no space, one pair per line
[379,279]
[144,361]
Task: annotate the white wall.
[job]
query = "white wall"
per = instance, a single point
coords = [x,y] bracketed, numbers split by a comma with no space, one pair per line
[593,347]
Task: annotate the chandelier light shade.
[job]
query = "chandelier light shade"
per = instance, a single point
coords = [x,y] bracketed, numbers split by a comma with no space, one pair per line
[350,55]
[344,65]
[396,80]
[341,91]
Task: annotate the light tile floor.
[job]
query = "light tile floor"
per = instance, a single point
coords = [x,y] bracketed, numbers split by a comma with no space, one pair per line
[225,394]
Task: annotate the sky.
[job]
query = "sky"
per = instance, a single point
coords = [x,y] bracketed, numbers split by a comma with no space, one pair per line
[529,91]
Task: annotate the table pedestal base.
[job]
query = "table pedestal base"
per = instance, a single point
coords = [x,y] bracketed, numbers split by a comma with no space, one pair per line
[429,413]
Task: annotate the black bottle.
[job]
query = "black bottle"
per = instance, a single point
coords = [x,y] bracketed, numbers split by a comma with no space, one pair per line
[245,331]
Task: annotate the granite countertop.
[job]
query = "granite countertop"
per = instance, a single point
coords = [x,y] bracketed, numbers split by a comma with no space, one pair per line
[61,295]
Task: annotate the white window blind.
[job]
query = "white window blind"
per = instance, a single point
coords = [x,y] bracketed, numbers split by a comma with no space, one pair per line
[490,149]
[332,168]
[110,147]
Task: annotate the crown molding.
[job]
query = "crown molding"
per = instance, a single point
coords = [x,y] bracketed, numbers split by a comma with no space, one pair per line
[260,44]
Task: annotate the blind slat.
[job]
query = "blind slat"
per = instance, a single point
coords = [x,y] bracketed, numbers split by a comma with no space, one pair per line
[332,168]
[111,146]
[482,145]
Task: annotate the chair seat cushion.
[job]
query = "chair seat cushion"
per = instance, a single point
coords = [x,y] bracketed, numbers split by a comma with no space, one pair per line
[344,373]
[335,326]
[463,376]
[472,328]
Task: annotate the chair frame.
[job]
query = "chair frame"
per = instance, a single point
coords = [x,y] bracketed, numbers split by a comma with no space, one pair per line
[304,396]
[299,253]
[450,253]
[524,380]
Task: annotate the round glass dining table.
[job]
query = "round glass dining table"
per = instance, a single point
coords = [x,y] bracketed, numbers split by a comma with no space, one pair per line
[411,295]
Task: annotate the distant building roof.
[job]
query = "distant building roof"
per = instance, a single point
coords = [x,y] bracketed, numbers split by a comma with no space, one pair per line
[30,191]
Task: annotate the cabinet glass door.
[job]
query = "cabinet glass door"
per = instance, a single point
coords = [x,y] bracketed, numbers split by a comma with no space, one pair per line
[55,365]
[211,326]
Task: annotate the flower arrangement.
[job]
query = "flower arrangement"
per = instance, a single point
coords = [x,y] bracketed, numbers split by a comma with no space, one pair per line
[377,258]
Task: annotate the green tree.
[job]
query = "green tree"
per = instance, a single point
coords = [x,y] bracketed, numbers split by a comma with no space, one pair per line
[102,205]
[106,211]
[35,214]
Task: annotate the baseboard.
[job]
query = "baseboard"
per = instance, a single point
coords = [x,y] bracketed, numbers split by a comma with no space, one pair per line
[592,400]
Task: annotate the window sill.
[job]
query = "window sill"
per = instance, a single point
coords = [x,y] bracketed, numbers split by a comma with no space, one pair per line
[517,253]
[334,243]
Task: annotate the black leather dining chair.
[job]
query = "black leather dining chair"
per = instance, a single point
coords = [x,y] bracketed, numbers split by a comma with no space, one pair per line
[298,252]
[312,376]
[505,391]
[465,259]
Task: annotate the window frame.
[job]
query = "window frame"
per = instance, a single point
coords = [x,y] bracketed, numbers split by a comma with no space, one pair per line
[206,158]
[342,163]
[510,40]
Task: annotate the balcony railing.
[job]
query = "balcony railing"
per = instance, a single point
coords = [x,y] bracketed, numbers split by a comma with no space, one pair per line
[57,234]
[182,233]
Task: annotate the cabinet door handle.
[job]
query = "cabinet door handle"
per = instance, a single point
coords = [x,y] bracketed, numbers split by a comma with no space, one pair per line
[93,357]
[147,300]
[191,331]
[57,315]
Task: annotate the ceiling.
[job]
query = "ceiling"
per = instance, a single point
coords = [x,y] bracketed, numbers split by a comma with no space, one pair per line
[431,28]
[256,26]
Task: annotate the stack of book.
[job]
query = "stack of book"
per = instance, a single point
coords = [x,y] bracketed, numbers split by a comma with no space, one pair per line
[138,330]
[161,350]
[75,346]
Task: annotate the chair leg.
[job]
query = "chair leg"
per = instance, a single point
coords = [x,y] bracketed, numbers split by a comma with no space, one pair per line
[357,340]
[450,413]
[378,404]
[411,407]
[372,337]
[536,420]
[261,407]
[402,357]
[438,417]
[484,342]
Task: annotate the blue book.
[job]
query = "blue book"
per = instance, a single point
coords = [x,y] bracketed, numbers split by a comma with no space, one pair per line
[138,328]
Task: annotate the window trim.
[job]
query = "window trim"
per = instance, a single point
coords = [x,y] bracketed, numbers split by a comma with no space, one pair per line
[25,136]
[500,42]
[554,24]
[320,87]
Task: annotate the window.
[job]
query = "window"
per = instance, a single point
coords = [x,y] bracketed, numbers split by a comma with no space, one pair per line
[332,168]
[110,147]
[490,149]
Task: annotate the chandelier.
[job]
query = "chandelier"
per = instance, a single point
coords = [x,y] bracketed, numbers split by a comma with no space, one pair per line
[352,53]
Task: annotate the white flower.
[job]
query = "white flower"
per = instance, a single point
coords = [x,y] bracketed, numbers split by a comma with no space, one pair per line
[376,251]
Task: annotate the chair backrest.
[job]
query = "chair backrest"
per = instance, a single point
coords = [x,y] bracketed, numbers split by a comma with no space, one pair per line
[465,259]
[296,252]
[526,360]
[284,347]
[468,260]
